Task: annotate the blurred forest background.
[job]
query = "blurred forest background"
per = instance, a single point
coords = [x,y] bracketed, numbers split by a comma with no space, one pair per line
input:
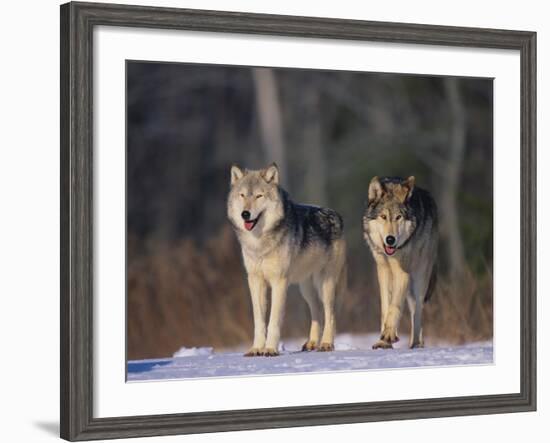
[330,132]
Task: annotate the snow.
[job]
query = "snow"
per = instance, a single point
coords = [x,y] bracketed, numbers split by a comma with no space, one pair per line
[352,352]
[192,352]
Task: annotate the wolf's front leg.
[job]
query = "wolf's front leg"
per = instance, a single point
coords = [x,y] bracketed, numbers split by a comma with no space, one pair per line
[258,291]
[400,288]
[278,301]
[384,283]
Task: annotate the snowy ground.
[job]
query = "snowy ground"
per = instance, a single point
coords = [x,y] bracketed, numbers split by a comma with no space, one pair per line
[352,353]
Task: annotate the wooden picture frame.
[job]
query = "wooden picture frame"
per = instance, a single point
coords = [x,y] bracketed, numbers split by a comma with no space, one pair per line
[77,23]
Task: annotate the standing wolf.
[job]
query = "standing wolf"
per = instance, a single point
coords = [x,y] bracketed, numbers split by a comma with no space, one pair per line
[283,243]
[400,227]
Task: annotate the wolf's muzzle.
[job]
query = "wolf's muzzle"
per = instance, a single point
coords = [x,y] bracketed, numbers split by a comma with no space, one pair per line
[389,245]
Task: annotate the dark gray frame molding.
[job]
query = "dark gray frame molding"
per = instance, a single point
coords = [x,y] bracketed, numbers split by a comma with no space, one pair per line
[77,24]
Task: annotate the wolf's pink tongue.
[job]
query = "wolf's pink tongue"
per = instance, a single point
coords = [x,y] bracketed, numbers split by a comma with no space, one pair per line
[389,250]
[248,225]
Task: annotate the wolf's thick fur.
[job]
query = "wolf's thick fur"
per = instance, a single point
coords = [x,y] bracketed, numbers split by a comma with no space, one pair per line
[282,243]
[400,227]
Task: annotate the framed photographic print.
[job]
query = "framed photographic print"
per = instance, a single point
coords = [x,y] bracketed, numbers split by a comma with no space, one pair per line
[338,213]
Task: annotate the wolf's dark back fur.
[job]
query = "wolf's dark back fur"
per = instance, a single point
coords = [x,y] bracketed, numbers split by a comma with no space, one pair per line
[311,224]
[421,206]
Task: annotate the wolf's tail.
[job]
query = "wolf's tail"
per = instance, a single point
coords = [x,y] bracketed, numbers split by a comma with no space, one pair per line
[342,284]
[431,284]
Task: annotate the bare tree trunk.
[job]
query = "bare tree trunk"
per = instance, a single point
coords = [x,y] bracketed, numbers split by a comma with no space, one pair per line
[315,179]
[451,177]
[269,111]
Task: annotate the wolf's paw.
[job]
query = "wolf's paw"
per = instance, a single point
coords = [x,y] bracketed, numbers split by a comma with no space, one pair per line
[416,345]
[309,346]
[389,335]
[326,347]
[253,352]
[270,352]
[382,344]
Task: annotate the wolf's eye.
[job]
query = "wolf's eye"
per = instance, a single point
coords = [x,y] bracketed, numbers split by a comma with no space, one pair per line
[383,216]
[398,217]
[242,195]
[259,196]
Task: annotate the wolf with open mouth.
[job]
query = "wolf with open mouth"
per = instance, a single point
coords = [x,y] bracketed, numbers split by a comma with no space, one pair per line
[283,243]
[400,227]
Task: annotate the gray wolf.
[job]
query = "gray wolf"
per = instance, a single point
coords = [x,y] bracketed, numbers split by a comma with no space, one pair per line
[284,243]
[400,227]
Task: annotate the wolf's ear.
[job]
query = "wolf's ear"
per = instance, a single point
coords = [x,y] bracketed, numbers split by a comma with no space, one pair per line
[271,174]
[375,189]
[236,174]
[408,187]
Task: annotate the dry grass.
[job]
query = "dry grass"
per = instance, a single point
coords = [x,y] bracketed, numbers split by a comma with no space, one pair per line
[184,294]
[173,302]
[461,310]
